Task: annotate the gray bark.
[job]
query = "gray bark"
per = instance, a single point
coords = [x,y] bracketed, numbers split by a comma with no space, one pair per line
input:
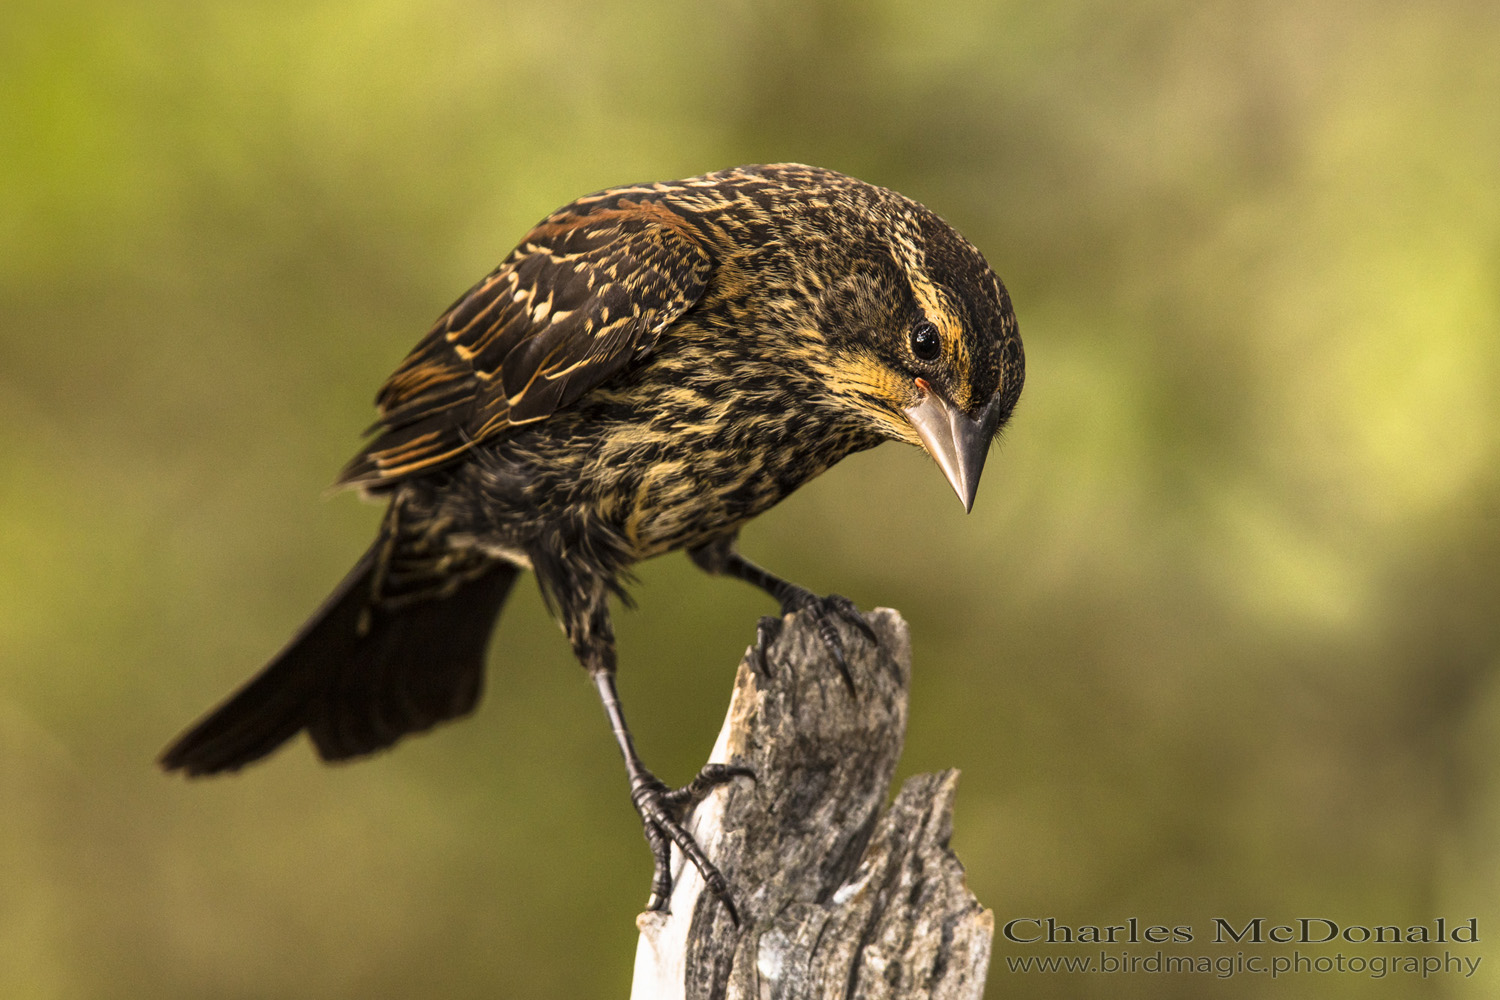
[835,899]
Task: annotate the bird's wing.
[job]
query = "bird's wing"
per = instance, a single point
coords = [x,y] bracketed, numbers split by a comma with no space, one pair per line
[583,295]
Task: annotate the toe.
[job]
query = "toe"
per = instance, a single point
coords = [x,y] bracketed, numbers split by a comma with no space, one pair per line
[848,611]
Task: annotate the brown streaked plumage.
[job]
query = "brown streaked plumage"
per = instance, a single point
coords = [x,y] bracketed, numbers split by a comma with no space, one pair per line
[651,367]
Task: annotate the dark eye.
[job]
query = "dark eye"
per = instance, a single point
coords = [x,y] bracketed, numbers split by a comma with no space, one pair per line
[925,342]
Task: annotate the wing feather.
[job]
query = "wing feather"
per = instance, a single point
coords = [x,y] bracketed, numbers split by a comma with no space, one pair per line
[585,294]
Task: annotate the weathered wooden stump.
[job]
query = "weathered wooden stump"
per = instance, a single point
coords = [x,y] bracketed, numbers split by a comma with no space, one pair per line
[835,899]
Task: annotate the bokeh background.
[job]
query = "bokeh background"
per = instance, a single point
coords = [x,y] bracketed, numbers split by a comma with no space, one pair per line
[1219,639]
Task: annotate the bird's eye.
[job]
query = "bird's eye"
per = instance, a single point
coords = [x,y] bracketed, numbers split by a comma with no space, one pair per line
[925,342]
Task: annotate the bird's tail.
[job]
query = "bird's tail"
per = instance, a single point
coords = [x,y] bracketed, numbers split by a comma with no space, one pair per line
[358,676]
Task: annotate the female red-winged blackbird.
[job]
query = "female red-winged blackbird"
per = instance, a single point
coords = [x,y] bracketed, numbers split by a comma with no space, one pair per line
[650,368]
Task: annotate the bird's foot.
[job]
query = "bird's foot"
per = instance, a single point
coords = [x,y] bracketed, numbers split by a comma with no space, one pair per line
[825,610]
[663,812]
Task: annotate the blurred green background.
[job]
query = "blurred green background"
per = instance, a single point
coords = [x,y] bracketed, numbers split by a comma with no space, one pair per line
[1219,639]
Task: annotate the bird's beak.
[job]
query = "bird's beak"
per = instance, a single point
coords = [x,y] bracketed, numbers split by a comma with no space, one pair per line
[957,442]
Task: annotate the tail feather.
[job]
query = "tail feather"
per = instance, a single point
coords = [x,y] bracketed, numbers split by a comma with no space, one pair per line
[356,677]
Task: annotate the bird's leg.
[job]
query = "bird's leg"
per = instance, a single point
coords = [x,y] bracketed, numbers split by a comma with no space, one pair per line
[719,556]
[662,810]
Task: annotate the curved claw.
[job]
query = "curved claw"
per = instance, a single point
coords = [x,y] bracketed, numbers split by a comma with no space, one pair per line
[767,631]
[825,608]
[835,644]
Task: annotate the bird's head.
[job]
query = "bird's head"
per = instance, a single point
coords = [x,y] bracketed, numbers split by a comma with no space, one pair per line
[922,341]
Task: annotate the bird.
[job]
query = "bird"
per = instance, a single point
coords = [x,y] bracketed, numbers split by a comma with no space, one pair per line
[652,366]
